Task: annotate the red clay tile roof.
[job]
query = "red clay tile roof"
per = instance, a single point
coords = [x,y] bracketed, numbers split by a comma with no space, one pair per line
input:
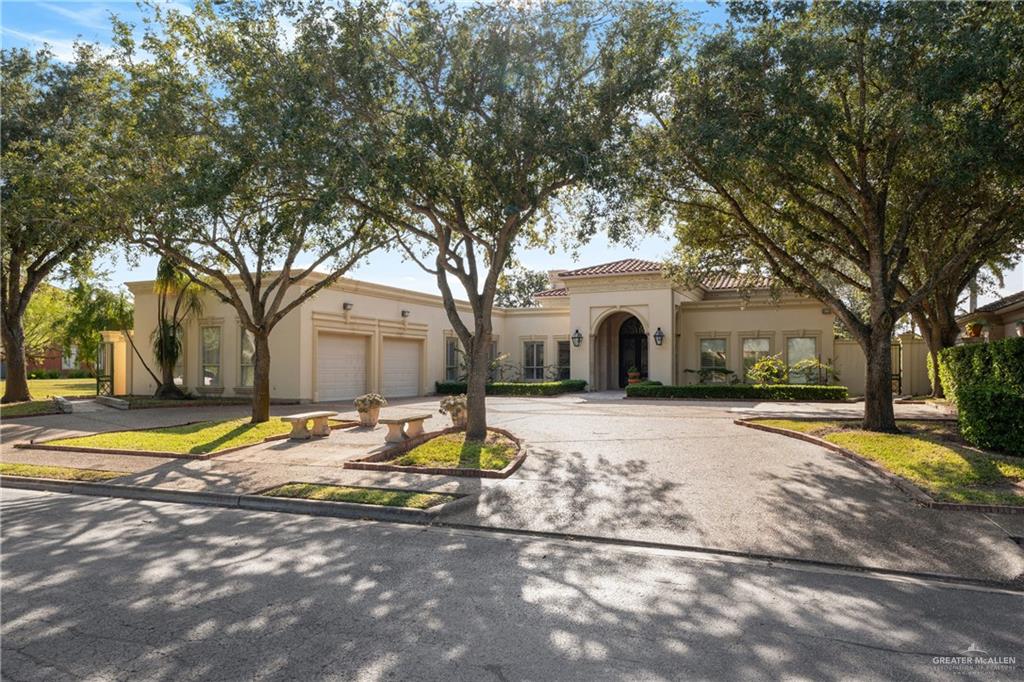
[639,266]
[560,291]
[619,267]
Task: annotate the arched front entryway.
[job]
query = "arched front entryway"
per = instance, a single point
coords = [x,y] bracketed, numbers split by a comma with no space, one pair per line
[620,342]
[632,349]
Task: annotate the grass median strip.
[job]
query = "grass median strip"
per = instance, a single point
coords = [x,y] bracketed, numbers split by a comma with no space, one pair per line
[929,453]
[188,439]
[452,450]
[382,497]
[59,473]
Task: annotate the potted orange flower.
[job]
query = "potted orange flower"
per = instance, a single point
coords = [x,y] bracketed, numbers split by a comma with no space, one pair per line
[633,373]
[973,330]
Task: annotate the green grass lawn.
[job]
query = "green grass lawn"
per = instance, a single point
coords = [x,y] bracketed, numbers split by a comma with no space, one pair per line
[42,391]
[190,439]
[47,388]
[378,496]
[452,450]
[929,453]
[62,473]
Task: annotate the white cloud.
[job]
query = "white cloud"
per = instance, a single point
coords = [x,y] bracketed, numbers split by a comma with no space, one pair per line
[63,49]
[95,17]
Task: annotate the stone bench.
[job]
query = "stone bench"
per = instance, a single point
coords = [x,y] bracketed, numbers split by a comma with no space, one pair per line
[401,428]
[321,424]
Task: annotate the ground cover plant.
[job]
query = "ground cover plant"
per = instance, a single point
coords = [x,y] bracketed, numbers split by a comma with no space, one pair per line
[452,450]
[931,454]
[383,497]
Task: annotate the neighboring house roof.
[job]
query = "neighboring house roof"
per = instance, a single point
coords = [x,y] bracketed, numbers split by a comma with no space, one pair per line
[1005,302]
[558,291]
[627,266]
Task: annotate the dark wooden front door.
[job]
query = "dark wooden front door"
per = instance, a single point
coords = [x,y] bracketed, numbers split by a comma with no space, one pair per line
[632,349]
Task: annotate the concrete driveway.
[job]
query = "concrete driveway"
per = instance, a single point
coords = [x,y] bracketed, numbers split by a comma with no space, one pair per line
[671,472]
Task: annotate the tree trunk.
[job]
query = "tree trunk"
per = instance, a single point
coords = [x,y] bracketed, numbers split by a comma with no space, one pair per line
[878,409]
[476,388]
[261,378]
[167,389]
[16,387]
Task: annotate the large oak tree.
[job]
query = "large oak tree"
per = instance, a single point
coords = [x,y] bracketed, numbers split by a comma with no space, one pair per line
[493,114]
[60,183]
[239,160]
[813,141]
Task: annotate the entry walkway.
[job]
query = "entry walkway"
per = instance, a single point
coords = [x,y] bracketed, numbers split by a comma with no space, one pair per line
[658,471]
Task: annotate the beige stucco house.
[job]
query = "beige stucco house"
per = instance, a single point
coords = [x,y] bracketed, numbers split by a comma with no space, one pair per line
[594,323]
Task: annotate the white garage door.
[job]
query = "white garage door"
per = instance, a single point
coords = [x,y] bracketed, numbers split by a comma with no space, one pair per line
[401,368]
[340,366]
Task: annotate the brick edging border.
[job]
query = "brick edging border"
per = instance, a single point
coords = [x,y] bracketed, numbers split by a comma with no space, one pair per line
[42,445]
[248,501]
[909,488]
[375,462]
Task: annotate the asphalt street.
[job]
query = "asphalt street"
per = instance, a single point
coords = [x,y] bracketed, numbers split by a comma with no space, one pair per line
[101,589]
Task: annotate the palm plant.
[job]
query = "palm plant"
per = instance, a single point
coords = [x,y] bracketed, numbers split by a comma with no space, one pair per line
[178,297]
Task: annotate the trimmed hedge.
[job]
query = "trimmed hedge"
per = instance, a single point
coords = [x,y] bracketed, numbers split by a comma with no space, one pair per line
[992,417]
[986,383]
[997,363]
[740,391]
[516,387]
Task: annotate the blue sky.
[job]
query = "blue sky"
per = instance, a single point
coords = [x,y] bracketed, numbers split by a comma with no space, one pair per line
[58,24]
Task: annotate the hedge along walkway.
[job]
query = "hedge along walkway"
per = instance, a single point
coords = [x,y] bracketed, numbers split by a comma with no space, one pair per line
[930,454]
[795,392]
[199,438]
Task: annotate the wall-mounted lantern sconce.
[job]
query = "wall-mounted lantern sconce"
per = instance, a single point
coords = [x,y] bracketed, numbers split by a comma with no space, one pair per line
[659,336]
[406,313]
[577,338]
[346,306]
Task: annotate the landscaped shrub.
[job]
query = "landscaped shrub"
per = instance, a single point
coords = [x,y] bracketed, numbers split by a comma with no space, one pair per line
[997,363]
[80,374]
[992,417]
[986,382]
[740,391]
[768,370]
[517,387]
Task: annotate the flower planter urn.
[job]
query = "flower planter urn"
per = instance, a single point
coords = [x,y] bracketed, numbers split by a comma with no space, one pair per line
[973,330]
[459,419]
[633,377]
[369,417]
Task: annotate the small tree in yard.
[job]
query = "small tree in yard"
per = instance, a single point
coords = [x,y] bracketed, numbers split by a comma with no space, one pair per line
[59,181]
[814,142]
[178,297]
[239,163]
[493,113]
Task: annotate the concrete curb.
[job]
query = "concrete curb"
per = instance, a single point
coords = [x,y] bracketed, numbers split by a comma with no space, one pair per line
[349,510]
[909,488]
